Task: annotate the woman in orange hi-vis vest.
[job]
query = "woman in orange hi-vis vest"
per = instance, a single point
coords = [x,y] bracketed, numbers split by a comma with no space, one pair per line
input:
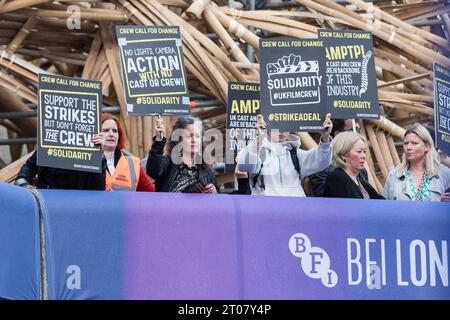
[124,173]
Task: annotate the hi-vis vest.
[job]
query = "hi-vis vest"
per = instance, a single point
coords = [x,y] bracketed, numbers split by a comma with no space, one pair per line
[126,175]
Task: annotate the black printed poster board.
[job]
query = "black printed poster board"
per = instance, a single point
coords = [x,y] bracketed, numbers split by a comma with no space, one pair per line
[351,77]
[442,107]
[153,71]
[69,114]
[293,91]
[242,108]
[196,186]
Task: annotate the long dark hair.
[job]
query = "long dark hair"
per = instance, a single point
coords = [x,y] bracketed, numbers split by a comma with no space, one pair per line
[182,123]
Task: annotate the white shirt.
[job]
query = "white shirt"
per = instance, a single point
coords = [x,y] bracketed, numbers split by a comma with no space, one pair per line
[280,176]
[110,164]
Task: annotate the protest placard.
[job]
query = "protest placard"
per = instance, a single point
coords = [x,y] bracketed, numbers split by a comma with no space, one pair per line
[242,108]
[153,71]
[69,114]
[442,107]
[350,71]
[293,92]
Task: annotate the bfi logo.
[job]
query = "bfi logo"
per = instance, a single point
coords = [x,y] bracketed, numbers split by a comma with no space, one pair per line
[315,261]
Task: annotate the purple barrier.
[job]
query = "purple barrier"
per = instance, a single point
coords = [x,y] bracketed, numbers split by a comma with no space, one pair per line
[121,245]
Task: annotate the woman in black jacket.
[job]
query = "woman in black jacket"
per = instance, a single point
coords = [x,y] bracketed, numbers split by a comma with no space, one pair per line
[349,156]
[184,169]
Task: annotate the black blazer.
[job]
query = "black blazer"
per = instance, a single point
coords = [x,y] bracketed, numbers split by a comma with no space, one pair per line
[340,185]
[318,180]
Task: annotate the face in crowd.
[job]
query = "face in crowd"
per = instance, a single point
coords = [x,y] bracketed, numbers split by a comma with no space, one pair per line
[110,135]
[349,151]
[192,139]
[356,158]
[415,148]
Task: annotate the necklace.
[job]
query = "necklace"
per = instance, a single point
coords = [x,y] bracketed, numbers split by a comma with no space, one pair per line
[363,190]
[355,179]
[422,192]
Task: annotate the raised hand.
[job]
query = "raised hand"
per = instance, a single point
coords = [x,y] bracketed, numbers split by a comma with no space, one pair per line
[97,139]
[159,129]
[327,126]
[261,127]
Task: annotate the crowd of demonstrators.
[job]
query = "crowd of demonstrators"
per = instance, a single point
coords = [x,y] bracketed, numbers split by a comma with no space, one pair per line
[185,164]
[123,173]
[272,164]
[420,176]
[317,180]
[276,165]
[349,158]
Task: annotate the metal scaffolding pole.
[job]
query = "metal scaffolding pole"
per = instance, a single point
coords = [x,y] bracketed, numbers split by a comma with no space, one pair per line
[17,141]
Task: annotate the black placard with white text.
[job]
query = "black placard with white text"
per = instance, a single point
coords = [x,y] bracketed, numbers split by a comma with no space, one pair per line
[242,108]
[293,92]
[69,114]
[442,107]
[153,71]
[351,78]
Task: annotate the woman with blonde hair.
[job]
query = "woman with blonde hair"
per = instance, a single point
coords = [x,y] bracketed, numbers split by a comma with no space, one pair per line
[420,176]
[349,157]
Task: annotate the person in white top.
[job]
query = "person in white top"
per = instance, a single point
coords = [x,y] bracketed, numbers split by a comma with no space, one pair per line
[276,164]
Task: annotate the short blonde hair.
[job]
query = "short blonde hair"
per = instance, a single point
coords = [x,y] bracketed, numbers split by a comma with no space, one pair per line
[431,158]
[342,144]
